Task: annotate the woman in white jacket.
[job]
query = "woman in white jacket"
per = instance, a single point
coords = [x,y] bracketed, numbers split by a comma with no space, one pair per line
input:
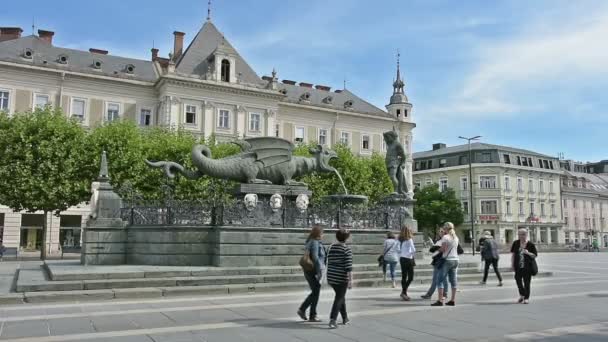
[408,252]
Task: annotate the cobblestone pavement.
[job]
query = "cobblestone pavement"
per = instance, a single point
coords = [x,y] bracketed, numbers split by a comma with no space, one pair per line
[571,306]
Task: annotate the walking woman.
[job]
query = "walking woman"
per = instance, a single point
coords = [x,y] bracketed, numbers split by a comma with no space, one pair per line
[490,254]
[339,276]
[523,255]
[449,269]
[390,255]
[408,252]
[314,246]
[436,255]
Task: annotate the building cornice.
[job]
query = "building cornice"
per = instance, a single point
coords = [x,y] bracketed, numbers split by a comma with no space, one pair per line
[74,73]
[337,111]
[219,86]
[486,165]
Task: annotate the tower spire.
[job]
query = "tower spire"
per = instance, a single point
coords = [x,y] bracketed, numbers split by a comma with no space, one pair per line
[398,84]
[209,10]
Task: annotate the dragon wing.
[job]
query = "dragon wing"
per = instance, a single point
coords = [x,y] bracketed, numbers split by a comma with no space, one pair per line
[270,150]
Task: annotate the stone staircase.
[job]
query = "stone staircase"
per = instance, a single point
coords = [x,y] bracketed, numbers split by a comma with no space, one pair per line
[68,281]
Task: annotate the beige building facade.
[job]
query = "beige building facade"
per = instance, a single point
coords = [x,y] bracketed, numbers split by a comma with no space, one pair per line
[512,189]
[207,88]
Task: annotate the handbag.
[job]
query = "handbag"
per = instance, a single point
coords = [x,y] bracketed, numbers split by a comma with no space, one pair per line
[381,257]
[306,261]
[439,260]
[533,267]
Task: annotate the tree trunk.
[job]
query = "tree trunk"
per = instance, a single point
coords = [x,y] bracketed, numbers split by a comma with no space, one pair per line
[43,246]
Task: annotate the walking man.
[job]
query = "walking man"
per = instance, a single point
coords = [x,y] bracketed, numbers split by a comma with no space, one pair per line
[490,254]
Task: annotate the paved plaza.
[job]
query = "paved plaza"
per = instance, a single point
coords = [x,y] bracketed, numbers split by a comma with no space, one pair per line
[571,306]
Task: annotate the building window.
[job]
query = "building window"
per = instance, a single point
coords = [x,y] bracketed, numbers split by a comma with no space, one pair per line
[518,160]
[489,207]
[486,157]
[345,138]
[112,111]
[299,134]
[78,108]
[546,163]
[541,186]
[530,162]
[487,182]
[462,160]
[465,207]
[322,136]
[565,203]
[553,213]
[542,209]
[521,208]
[277,130]
[551,187]
[566,220]
[4,97]
[443,184]
[40,101]
[520,184]
[254,122]
[145,117]
[384,146]
[190,115]
[464,183]
[225,70]
[417,184]
[508,207]
[574,203]
[532,208]
[507,183]
[530,185]
[551,165]
[442,162]
[223,119]
[365,143]
[428,181]
[524,161]
[506,158]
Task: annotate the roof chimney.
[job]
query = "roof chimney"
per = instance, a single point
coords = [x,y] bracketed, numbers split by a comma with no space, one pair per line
[267,78]
[178,44]
[98,51]
[290,82]
[322,87]
[47,36]
[438,146]
[9,33]
[154,54]
[306,85]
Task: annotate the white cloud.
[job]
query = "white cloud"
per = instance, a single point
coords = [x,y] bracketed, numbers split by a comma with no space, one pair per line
[534,61]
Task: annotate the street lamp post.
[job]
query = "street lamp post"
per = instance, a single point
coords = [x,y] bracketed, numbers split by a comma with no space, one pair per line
[471,201]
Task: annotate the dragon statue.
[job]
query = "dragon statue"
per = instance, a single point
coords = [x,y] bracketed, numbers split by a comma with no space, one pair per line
[263,160]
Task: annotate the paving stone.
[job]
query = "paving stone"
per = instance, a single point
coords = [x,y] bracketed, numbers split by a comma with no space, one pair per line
[24,329]
[112,323]
[72,325]
[137,293]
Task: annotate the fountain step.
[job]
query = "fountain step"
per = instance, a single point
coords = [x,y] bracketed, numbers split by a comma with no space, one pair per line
[35,280]
[158,292]
[70,270]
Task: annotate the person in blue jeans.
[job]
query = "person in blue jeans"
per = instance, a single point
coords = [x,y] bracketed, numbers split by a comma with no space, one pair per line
[435,250]
[391,255]
[449,269]
[314,245]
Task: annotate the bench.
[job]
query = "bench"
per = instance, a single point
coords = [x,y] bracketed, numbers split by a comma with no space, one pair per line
[65,249]
[10,251]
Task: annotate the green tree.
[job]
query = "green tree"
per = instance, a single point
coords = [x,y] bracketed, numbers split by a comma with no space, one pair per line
[41,158]
[435,207]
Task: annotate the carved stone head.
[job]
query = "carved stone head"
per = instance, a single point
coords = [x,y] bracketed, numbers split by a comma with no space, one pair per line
[302,202]
[250,201]
[390,136]
[324,155]
[276,202]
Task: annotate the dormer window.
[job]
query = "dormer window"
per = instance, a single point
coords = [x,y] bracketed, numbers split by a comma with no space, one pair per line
[28,54]
[398,112]
[130,68]
[328,99]
[97,64]
[305,97]
[283,91]
[63,59]
[348,104]
[225,72]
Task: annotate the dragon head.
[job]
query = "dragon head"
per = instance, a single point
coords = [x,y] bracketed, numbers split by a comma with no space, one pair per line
[323,156]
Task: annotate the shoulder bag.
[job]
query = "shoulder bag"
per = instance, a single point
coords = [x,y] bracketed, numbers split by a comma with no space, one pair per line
[306,261]
[381,257]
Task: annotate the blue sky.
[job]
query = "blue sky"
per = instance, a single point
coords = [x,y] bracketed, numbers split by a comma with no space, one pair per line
[526,74]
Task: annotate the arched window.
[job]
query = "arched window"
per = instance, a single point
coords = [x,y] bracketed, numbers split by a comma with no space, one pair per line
[225,70]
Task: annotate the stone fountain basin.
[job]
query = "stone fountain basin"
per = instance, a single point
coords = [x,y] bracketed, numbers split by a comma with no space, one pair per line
[346,199]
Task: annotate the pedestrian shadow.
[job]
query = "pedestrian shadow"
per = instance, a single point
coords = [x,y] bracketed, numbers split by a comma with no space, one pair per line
[279,324]
[497,303]
[598,295]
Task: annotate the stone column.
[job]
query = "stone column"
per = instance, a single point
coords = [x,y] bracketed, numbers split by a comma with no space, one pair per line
[549,237]
[104,237]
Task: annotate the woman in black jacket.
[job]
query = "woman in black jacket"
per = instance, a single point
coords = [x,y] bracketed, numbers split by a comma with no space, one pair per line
[523,255]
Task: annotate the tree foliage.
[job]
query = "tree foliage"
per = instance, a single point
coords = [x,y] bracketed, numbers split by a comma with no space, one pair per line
[42,156]
[435,207]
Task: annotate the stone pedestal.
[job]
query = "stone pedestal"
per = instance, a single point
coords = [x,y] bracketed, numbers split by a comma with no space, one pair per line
[400,211]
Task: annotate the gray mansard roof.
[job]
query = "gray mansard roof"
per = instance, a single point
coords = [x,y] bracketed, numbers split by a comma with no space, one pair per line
[195,59]
[47,55]
[476,146]
[318,97]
